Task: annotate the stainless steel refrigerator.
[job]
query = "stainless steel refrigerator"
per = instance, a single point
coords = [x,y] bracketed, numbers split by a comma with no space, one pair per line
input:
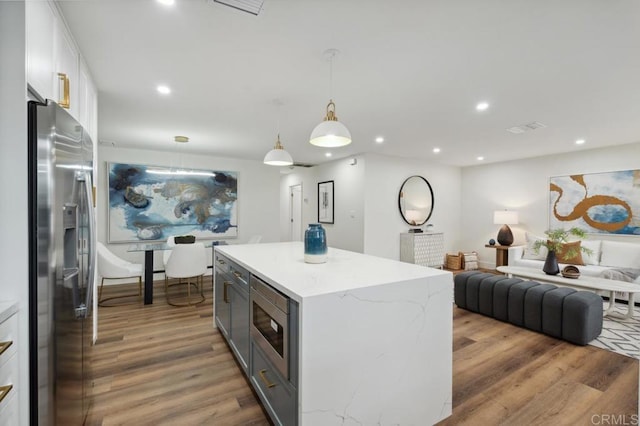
[61,265]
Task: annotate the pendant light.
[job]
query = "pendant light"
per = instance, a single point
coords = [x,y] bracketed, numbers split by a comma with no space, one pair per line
[330,133]
[278,156]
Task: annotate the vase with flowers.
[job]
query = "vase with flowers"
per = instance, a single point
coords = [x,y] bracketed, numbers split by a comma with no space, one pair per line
[559,246]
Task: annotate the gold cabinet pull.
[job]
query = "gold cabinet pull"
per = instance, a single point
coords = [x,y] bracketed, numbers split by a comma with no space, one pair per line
[225,293]
[266,381]
[4,391]
[64,103]
[4,346]
[237,274]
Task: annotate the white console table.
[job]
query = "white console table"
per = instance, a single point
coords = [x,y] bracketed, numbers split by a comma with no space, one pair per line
[424,248]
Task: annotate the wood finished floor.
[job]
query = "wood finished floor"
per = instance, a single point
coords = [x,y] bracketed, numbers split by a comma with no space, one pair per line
[507,375]
[165,365]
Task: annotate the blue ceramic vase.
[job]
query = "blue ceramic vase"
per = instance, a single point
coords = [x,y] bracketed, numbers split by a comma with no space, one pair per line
[315,244]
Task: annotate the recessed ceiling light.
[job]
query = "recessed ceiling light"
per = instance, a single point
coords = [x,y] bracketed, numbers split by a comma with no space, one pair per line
[379,139]
[482,106]
[167,2]
[579,141]
[436,150]
[328,154]
[163,89]
[480,158]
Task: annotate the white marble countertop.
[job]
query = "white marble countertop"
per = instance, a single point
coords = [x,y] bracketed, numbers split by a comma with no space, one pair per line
[7,308]
[282,265]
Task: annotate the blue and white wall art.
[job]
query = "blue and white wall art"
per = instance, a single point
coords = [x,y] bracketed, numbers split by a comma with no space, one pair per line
[605,203]
[152,203]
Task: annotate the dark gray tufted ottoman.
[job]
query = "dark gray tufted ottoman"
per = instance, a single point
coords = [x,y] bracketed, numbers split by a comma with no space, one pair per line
[575,316]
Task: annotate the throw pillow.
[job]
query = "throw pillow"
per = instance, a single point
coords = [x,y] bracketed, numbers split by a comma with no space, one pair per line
[594,257]
[570,253]
[529,252]
[620,254]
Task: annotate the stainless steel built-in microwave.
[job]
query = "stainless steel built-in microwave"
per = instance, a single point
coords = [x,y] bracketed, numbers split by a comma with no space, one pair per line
[270,323]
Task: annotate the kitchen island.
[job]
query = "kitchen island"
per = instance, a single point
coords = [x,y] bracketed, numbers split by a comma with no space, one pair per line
[371,338]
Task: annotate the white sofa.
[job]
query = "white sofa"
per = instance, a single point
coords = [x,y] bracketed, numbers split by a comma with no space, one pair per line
[606,255]
[608,258]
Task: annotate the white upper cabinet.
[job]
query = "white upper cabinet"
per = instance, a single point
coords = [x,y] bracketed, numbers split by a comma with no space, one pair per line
[87,103]
[55,69]
[40,22]
[66,69]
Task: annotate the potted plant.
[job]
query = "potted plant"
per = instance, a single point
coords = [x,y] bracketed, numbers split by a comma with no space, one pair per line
[556,238]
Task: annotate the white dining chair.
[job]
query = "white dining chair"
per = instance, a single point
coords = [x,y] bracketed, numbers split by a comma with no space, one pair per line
[111,267]
[187,264]
[171,242]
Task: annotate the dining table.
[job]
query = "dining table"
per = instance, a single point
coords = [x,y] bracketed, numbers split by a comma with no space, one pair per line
[149,247]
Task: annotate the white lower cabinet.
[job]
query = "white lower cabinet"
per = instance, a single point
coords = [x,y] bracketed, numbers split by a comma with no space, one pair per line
[9,368]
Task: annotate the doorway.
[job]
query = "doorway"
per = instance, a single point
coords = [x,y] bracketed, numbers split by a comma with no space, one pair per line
[295,212]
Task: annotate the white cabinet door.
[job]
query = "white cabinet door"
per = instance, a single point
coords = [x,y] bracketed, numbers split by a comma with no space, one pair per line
[40,23]
[87,102]
[66,63]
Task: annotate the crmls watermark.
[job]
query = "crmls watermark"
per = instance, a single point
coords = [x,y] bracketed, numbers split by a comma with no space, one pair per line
[615,419]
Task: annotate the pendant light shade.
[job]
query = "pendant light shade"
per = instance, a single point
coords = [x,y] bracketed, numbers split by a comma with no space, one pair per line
[278,156]
[330,133]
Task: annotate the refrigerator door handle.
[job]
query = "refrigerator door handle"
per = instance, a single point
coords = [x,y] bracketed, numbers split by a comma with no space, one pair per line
[88,192]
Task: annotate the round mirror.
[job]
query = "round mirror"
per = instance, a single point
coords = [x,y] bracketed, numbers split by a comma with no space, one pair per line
[415,201]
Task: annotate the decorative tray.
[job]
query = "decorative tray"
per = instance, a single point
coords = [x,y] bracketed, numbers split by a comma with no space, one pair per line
[570,272]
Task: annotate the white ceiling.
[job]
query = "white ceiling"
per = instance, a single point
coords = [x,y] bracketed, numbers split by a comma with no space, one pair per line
[411,71]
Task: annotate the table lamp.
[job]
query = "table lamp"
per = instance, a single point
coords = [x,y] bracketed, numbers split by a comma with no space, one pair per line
[506,218]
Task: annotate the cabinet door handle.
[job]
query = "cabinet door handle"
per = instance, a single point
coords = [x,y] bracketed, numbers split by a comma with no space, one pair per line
[266,381]
[64,103]
[4,346]
[4,391]
[222,262]
[225,293]
[237,274]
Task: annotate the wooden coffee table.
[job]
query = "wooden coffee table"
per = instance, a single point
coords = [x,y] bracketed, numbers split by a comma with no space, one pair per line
[582,283]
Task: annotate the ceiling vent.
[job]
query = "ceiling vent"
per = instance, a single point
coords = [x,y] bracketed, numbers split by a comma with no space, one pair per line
[534,125]
[302,165]
[251,6]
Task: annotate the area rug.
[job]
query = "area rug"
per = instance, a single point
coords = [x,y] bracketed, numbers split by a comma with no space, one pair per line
[620,334]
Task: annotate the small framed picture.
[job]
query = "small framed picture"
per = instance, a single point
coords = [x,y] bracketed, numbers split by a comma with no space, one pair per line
[325,202]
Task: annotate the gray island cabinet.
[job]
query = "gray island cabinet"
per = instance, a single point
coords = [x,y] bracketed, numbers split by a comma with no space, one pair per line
[356,340]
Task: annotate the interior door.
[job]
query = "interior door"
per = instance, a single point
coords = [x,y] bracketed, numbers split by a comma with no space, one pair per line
[295,212]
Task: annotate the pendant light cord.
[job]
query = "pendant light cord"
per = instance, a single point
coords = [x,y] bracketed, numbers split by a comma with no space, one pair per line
[331,75]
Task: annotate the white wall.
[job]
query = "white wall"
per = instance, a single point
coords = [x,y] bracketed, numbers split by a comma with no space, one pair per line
[524,186]
[347,230]
[14,244]
[258,197]
[382,221]
[366,201]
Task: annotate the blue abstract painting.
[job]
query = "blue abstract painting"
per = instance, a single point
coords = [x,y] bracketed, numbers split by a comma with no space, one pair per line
[606,203]
[152,203]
